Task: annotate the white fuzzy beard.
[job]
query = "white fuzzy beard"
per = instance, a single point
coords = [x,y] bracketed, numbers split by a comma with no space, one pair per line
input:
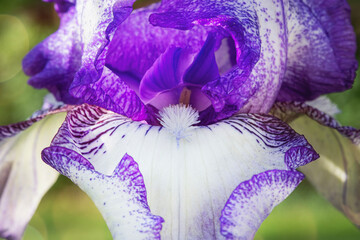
[179,120]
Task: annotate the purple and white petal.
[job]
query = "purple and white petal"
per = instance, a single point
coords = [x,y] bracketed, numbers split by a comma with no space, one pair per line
[97,21]
[24,178]
[253,200]
[336,174]
[120,197]
[188,176]
[321,49]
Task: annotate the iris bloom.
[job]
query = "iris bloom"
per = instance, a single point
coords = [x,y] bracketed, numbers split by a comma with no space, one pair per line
[176,114]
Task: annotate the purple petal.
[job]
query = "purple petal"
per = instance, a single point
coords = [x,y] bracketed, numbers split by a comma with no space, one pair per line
[200,171]
[204,68]
[336,174]
[120,197]
[165,76]
[24,178]
[53,63]
[253,200]
[321,55]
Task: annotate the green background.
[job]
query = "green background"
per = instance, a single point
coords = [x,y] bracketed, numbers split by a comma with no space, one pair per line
[67,213]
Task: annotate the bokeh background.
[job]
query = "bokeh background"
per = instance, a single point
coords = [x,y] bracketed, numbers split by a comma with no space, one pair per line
[66,213]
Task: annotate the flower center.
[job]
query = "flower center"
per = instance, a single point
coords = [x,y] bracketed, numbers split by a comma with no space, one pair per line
[179,120]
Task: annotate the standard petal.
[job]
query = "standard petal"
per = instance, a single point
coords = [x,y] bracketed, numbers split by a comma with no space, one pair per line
[24,178]
[253,200]
[256,78]
[189,180]
[321,52]
[120,197]
[336,174]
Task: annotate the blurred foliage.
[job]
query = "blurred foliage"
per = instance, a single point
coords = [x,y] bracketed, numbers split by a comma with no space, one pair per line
[67,213]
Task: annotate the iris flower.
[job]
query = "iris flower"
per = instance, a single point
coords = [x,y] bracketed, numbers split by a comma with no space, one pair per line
[178,112]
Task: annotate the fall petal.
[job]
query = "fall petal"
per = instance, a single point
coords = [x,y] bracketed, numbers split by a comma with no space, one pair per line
[201,171]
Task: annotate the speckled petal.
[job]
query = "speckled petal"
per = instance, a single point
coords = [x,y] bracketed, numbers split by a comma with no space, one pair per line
[188,180]
[336,174]
[24,178]
[253,200]
[111,92]
[321,52]
[120,197]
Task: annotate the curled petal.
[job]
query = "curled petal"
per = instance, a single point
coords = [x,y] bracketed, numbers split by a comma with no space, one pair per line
[24,178]
[336,174]
[120,197]
[253,200]
[200,171]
